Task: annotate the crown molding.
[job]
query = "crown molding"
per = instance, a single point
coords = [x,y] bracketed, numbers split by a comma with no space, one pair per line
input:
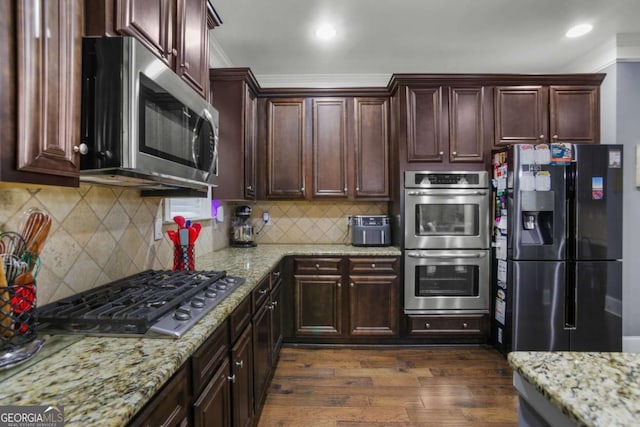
[623,47]
[322,80]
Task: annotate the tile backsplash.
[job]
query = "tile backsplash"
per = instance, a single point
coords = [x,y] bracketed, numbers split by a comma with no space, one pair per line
[309,222]
[99,234]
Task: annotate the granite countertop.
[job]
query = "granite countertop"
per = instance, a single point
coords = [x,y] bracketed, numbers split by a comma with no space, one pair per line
[105,381]
[593,389]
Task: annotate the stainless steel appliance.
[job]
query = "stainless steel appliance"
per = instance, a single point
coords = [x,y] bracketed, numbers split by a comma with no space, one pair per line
[163,303]
[242,233]
[446,253]
[371,230]
[142,126]
[558,255]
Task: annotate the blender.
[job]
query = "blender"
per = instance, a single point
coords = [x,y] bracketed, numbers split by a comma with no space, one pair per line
[242,235]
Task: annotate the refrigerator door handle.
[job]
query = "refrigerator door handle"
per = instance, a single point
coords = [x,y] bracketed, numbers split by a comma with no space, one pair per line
[571,298]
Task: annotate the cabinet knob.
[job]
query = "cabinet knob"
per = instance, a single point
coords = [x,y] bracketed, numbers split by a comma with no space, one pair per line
[442,153]
[174,52]
[465,325]
[275,304]
[339,284]
[555,137]
[271,306]
[232,378]
[302,189]
[276,274]
[427,325]
[240,363]
[249,187]
[317,266]
[455,153]
[262,291]
[82,148]
[345,189]
[186,66]
[541,136]
[373,266]
[357,188]
[351,284]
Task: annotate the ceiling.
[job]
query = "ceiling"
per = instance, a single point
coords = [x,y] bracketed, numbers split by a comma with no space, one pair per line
[376,38]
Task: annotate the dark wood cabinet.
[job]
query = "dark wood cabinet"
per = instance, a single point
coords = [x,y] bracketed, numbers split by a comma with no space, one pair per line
[371,136]
[261,354]
[40,43]
[277,317]
[546,114]
[447,124]
[286,152]
[353,298]
[450,326]
[242,379]
[175,30]
[233,94]
[213,407]
[171,407]
[329,148]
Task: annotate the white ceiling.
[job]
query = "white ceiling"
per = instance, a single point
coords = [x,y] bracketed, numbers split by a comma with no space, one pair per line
[379,37]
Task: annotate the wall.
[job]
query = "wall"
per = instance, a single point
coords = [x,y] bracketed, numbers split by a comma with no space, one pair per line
[620,119]
[309,222]
[98,234]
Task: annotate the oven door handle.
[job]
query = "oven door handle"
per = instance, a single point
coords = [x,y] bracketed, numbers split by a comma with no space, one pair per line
[427,255]
[446,193]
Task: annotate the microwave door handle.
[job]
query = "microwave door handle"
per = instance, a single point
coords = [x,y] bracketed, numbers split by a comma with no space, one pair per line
[213,167]
[452,256]
[446,193]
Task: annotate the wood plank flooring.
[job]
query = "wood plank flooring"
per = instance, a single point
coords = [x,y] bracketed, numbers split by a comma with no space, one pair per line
[394,387]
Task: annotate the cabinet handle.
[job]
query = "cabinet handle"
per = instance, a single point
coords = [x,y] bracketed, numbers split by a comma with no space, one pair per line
[465,325]
[82,148]
[240,363]
[232,378]
[427,325]
[442,153]
[555,137]
[541,136]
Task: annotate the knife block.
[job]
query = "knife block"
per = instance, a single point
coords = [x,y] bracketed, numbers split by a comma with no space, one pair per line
[183,258]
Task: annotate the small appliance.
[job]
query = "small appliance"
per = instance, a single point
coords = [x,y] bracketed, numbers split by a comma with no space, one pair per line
[242,235]
[371,230]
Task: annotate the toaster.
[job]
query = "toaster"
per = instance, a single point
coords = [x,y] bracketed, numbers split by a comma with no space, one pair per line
[371,230]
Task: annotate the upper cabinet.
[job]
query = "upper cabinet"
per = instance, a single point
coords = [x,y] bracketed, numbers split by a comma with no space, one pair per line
[545,114]
[175,30]
[40,42]
[233,94]
[327,147]
[446,124]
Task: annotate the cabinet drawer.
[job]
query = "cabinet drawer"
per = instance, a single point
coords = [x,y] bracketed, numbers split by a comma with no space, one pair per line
[373,265]
[240,318]
[207,357]
[317,265]
[261,292]
[470,324]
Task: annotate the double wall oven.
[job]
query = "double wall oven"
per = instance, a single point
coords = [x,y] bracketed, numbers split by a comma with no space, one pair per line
[446,242]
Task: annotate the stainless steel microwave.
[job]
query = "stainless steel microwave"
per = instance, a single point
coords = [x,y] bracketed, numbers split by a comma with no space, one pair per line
[142,125]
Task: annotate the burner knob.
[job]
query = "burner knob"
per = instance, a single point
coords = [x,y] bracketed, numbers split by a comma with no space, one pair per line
[231,279]
[222,286]
[197,302]
[210,293]
[182,313]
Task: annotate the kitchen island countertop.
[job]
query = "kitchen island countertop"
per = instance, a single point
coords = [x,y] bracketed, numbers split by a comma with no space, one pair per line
[105,381]
[590,389]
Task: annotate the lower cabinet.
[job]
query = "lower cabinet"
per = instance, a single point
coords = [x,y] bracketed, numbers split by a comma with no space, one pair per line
[213,406]
[449,327]
[261,353]
[242,379]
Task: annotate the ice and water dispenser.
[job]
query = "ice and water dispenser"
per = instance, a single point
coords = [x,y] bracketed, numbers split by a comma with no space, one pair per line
[537,217]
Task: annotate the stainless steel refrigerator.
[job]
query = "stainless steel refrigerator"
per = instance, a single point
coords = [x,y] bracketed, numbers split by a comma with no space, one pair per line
[558,248]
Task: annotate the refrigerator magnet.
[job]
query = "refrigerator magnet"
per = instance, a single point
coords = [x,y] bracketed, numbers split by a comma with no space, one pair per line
[615,159]
[561,153]
[597,188]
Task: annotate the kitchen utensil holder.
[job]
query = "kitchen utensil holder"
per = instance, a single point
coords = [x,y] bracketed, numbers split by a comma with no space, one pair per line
[17,315]
[183,257]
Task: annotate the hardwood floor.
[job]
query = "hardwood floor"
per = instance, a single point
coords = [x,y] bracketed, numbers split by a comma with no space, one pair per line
[395,387]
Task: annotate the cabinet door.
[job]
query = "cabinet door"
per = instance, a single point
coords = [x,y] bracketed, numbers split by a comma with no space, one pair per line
[371,147]
[276,320]
[424,121]
[171,406]
[466,124]
[329,148]
[521,115]
[285,148]
[242,374]
[193,44]
[150,22]
[250,143]
[47,53]
[373,305]
[261,354]
[318,305]
[575,114]
[213,407]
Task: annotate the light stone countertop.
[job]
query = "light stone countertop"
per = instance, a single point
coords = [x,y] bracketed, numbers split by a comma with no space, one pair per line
[592,389]
[105,381]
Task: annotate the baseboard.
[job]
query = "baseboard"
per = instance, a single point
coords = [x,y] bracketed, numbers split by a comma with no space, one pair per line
[631,344]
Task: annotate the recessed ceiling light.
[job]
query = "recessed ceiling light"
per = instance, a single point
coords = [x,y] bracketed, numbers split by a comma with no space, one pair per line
[325,32]
[579,30]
